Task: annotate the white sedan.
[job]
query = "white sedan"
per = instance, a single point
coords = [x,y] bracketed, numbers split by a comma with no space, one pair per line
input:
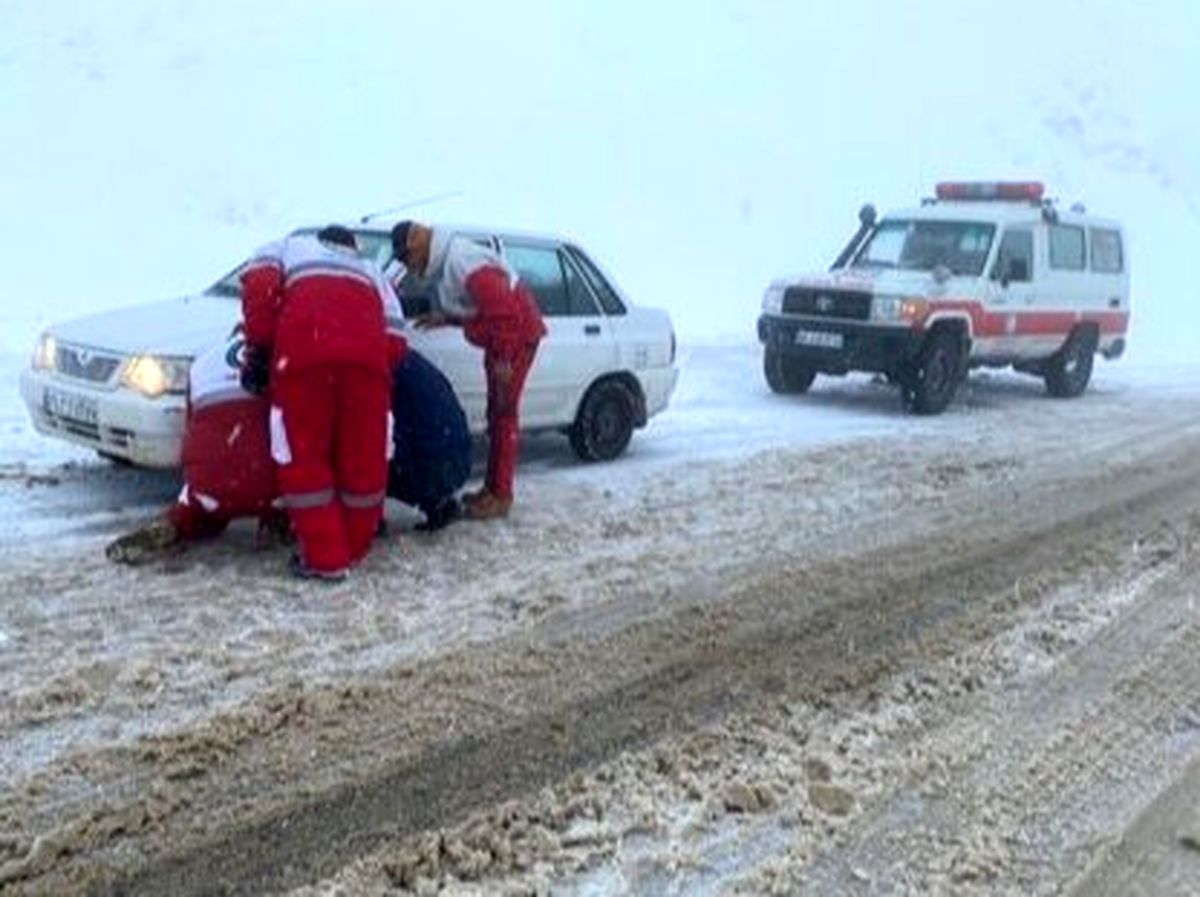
[116,381]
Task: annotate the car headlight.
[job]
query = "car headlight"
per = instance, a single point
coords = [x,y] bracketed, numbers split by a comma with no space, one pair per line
[153,376]
[773,300]
[45,353]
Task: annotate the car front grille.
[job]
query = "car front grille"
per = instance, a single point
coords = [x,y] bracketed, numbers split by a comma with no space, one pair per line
[89,365]
[827,303]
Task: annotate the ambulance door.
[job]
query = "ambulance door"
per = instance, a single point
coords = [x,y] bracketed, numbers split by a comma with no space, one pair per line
[1013,294]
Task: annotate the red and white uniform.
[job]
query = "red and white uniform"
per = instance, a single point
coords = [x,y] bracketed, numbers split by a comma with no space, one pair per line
[332,324]
[227,467]
[501,316]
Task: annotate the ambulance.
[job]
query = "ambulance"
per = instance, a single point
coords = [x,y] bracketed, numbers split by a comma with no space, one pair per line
[982,274]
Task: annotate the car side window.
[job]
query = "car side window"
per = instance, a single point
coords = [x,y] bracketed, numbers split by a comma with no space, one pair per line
[1014,261]
[540,269]
[1067,247]
[556,282]
[1107,257]
[579,298]
[609,300]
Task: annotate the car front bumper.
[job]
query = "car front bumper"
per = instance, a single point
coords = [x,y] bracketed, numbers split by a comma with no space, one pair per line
[119,423]
[863,345]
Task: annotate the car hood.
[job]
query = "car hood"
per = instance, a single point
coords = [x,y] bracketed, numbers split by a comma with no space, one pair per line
[180,327]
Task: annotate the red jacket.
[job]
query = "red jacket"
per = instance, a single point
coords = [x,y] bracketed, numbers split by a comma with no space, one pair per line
[309,303]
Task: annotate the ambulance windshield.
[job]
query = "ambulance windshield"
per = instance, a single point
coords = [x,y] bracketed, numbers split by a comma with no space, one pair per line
[961,246]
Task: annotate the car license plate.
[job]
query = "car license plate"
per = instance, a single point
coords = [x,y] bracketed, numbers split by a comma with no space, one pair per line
[72,407]
[822,339]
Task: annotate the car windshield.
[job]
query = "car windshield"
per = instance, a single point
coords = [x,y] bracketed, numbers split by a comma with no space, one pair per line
[371,244]
[961,246]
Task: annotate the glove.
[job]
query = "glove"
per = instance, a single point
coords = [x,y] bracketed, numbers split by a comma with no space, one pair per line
[255,373]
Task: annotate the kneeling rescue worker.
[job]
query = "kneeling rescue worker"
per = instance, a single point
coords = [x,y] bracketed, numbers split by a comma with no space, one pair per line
[480,293]
[321,314]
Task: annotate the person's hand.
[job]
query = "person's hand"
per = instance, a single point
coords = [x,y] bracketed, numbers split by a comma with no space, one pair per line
[431,319]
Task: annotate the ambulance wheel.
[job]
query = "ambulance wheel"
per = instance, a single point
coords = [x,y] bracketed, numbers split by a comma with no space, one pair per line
[938,372]
[604,424]
[786,375]
[1069,370]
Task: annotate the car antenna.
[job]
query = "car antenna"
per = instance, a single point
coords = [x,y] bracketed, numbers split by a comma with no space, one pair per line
[423,201]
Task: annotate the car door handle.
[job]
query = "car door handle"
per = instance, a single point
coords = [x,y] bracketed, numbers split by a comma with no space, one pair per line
[592,329]
[1115,302]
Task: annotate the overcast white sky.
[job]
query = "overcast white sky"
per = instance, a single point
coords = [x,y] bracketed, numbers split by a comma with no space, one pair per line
[698,149]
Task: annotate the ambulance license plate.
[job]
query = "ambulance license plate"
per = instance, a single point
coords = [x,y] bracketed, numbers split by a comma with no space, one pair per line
[821,339]
[81,409]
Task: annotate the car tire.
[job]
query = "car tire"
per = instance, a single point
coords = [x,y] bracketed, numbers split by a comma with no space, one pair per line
[1069,370]
[785,375]
[604,424]
[937,374]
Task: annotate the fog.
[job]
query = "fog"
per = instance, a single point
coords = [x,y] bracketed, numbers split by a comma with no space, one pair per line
[697,149]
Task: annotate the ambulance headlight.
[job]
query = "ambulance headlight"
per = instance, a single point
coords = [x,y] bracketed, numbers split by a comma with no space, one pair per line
[886,308]
[45,353]
[773,300]
[153,376]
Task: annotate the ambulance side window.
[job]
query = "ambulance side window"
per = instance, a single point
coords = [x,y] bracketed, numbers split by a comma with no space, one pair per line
[1107,257]
[1067,247]
[1014,261]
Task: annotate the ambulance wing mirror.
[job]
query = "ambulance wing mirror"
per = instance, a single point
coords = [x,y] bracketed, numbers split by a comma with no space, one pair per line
[1017,269]
[1011,269]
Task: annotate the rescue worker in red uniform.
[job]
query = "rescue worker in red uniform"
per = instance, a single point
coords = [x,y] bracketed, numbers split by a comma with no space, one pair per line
[227,468]
[321,314]
[480,293]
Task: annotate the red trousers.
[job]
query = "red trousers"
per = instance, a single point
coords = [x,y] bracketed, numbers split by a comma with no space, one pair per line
[506,363]
[329,438]
[227,469]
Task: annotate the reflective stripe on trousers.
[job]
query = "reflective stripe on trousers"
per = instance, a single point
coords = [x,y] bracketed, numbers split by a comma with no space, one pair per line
[301,500]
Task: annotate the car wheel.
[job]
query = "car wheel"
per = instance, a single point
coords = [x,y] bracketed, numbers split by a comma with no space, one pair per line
[1069,370]
[604,425]
[938,372]
[785,375]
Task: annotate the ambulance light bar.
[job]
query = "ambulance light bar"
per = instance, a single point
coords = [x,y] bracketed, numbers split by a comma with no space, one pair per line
[982,191]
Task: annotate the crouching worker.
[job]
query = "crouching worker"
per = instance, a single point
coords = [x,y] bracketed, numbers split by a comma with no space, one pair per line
[480,293]
[432,457]
[228,471]
[227,467]
[321,313]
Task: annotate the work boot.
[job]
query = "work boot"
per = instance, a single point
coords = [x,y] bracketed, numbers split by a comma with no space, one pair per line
[489,507]
[301,570]
[152,541]
[469,498]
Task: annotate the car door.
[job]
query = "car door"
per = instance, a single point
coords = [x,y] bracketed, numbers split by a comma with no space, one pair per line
[578,347]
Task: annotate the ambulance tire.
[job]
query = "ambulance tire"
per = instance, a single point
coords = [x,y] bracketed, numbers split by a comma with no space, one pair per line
[785,375]
[605,422]
[1068,371]
[938,373]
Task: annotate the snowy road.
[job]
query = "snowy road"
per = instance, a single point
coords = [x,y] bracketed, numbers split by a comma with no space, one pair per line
[786,645]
